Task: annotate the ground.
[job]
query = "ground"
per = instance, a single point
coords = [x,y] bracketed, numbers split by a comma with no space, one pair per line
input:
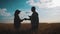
[44,28]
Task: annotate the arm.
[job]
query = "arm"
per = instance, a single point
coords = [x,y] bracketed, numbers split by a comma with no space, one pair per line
[27,18]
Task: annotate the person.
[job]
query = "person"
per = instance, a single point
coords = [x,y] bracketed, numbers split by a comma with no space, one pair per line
[34,20]
[17,20]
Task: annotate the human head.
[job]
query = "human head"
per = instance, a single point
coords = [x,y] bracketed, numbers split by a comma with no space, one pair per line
[17,12]
[33,9]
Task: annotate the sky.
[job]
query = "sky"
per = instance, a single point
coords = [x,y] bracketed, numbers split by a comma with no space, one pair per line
[48,10]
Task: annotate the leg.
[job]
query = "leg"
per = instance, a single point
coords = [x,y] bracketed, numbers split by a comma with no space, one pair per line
[36,29]
[32,29]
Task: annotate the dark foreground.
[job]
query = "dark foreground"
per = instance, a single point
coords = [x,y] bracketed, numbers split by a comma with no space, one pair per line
[16,32]
[44,28]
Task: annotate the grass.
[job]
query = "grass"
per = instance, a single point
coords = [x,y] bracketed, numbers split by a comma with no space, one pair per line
[44,28]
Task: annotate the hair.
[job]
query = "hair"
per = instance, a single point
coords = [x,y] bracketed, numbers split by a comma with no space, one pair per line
[33,8]
[17,12]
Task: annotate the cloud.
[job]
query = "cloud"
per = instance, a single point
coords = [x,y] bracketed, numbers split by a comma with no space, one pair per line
[25,14]
[44,3]
[3,12]
[50,15]
[49,10]
[40,3]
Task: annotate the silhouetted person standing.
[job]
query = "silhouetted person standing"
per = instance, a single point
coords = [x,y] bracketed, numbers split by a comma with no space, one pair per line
[34,20]
[17,20]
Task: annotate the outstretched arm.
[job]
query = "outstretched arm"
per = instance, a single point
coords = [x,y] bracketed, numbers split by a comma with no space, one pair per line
[27,18]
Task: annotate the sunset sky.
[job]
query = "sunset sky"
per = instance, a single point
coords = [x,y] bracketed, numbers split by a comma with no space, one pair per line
[48,10]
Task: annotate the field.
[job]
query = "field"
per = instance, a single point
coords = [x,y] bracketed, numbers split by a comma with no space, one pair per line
[44,28]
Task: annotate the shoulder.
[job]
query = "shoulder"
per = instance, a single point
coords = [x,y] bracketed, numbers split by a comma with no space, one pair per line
[36,13]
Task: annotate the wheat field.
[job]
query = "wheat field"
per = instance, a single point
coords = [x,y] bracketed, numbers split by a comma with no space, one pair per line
[44,28]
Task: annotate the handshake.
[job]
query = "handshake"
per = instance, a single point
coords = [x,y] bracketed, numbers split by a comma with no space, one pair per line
[27,18]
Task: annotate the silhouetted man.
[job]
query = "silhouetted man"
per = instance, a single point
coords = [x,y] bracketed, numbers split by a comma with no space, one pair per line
[34,20]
